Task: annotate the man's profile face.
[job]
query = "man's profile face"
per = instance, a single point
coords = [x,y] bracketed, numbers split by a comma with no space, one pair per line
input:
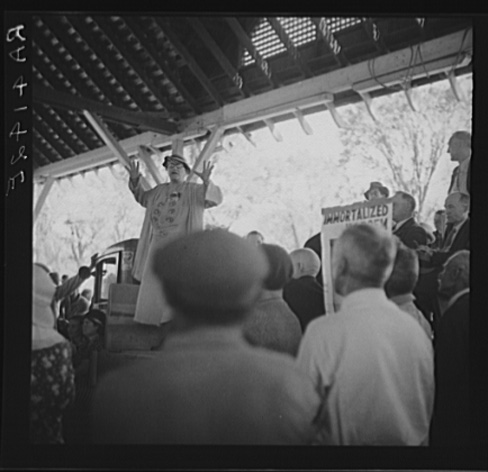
[375,194]
[456,148]
[446,281]
[400,208]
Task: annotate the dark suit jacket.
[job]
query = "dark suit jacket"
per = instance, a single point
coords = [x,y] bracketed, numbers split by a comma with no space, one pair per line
[315,244]
[450,419]
[412,234]
[468,177]
[305,296]
[461,241]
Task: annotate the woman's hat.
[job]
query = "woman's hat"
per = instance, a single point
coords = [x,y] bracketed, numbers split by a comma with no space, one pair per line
[176,158]
[377,185]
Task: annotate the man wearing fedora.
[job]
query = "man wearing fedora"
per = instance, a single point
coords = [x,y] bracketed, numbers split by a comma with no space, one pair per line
[376,190]
[173,209]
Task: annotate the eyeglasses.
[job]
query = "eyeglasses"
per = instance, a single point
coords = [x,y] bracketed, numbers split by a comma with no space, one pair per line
[174,165]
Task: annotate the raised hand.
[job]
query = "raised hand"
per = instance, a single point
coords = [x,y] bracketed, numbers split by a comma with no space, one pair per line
[206,172]
[133,169]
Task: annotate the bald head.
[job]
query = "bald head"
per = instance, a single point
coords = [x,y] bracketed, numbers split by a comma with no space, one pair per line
[404,275]
[211,277]
[362,257]
[455,274]
[305,262]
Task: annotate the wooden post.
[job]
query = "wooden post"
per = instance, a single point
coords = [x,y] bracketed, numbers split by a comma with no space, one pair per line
[48,184]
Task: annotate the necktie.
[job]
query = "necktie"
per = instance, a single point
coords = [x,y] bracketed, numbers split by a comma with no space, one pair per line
[450,238]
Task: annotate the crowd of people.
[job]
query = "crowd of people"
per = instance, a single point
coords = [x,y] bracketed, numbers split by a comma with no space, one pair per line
[251,356]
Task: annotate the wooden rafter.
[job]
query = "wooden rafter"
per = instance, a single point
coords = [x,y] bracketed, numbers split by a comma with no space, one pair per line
[46,121]
[369,26]
[88,137]
[219,55]
[111,66]
[290,47]
[340,58]
[70,123]
[48,134]
[246,41]
[128,56]
[45,147]
[95,74]
[167,66]
[146,121]
[190,60]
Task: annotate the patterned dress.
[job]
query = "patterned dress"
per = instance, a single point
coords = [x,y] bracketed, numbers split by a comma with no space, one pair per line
[52,390]
[172,210]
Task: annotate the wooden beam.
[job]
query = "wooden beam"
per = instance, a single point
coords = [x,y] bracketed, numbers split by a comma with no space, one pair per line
[128,56]
[113,145]
[109,94]
[190,60]
[89,138]
[46,120]
[164,62]
[246,41]
[207,150]
[48,184]
[111,91]
[290,47]
[45,146]
[177,146]
[144,120]
[219,55]
[48,134]
[439,54]
[307,129]
[329,39]
[274,132]
[145,153]
[98,157]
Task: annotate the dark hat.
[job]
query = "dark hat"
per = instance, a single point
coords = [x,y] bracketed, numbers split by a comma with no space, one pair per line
[378,185]
[213,270]
[281,267]
[176,158]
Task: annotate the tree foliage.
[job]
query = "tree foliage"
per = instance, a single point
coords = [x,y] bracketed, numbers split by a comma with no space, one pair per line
[406,146]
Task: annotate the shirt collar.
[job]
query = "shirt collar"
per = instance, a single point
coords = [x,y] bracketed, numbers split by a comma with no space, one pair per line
[370,296]
[456,297]
[402,222]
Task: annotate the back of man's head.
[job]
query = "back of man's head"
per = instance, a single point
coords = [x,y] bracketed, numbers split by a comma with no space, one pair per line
[404,275]
[455,274]
[211,277]
[280,267]
[305,263]
[362,257]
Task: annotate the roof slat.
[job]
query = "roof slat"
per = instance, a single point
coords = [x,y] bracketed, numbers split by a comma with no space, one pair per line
[290,47]
[245,40]
[190,60]
[219,55]
[166,64]
[129,57]
[56,127]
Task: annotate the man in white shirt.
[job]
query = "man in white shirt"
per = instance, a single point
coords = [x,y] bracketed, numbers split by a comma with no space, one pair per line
[459,147]
[372,363]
